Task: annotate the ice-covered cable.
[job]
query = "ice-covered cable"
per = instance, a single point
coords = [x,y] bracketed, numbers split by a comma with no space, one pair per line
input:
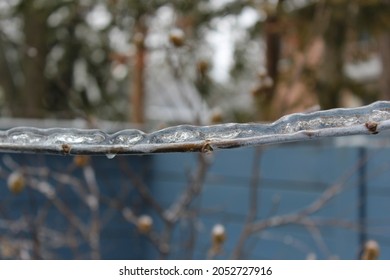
[369,119]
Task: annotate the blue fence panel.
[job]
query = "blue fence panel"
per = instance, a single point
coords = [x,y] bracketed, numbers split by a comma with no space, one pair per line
[378,198]
[118,238]
[291,177]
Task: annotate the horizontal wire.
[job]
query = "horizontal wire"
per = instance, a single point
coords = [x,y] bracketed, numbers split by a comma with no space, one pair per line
[370,119]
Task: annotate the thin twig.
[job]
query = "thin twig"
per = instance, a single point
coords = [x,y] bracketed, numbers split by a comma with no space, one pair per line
[193,189]
[141,187]
[301,217]
[252,210]
[94,205]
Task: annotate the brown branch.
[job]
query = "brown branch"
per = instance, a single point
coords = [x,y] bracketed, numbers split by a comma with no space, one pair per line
[311,209]
[141,187]
[301,217]
[193,189]
[93,203]
[62,208]
[173,214]
[137,93]
[315,232]
[253,207]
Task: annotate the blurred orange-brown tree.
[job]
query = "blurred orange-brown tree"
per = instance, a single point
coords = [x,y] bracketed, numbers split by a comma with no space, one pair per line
[192,61]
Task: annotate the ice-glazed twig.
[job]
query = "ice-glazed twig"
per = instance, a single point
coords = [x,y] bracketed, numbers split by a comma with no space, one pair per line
[370,119]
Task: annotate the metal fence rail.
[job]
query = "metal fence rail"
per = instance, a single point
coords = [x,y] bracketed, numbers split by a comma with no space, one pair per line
[370,119]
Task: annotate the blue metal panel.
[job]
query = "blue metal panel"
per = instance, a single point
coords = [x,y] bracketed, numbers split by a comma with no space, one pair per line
[291,178]
[118,238]
[293,175]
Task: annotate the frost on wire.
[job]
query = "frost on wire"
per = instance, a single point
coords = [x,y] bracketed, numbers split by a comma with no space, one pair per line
[369,119]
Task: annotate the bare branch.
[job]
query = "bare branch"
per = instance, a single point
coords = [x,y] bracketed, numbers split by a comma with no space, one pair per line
[300,217]
[93,202]
[253,201]
[192,191]
[142,188]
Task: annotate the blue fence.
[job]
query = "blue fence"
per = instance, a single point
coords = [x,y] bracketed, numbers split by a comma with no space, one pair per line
[291,177]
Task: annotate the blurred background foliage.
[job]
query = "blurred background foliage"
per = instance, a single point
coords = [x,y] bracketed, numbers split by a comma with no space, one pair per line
[201,62]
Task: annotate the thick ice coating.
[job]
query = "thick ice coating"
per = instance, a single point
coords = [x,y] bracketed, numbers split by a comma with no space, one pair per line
[183,138]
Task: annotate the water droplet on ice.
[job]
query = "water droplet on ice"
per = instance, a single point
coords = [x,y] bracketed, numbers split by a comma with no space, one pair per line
[110,156]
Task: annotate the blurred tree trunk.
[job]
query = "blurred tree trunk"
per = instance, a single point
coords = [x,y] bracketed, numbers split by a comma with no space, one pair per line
[272,48]
[272,51]
[137,92]
[34,60]
[272,39]
[384,48]
[331,72]
[61,91]
[7,83]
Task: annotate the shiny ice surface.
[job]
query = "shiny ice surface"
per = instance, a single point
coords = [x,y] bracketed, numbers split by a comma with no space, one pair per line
[183,138]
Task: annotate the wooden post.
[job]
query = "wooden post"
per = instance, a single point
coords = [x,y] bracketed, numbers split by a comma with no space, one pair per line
[137,91]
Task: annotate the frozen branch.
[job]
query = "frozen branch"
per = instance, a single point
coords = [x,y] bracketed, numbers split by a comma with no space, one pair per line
[370,119]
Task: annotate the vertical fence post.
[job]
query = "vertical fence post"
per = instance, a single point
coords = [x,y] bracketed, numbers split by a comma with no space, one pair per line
[362,200]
